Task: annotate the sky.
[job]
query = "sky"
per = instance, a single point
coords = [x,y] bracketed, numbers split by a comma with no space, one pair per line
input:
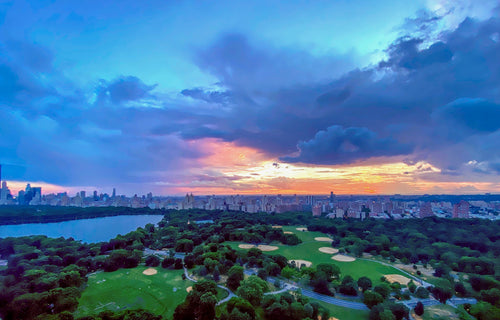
[251,97]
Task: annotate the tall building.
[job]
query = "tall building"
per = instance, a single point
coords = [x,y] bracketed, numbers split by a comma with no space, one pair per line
[316,211]
[461,210]
[114,193]
[0,174]
[4,193]
[426,210]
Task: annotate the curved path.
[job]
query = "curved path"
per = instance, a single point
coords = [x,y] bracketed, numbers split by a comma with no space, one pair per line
[335,301]
[230,293]
[422,282]
[321,297]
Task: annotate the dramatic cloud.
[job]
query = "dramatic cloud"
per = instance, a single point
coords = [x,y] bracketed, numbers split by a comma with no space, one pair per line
[434,98]
[337,145]
[126,89]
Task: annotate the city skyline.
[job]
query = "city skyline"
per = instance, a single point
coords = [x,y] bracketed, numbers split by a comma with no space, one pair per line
[373,97]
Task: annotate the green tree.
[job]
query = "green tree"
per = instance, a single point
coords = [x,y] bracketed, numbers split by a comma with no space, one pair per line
[364,283]
[422,293]
[372,298]
[383,289]
[235,276]
[330,269]
[252,289]
[419,309]
[152,261]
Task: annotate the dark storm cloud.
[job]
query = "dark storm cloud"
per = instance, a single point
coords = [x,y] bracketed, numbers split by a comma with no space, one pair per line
[478,115]
[126,89]
[405,54]
[438,95]
[428,100]
[337,145]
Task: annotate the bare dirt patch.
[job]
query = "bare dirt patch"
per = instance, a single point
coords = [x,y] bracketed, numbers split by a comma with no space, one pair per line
[277,227]
[264,247]
[328,250]
[150,271]
[397,278]
[301,229]
[287,232]
[331,318]
[299,263]
[342,258]
[246,246]
[426,272]
[189,289]
[325,239]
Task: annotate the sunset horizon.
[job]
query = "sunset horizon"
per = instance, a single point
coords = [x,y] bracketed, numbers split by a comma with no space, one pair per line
[251,98]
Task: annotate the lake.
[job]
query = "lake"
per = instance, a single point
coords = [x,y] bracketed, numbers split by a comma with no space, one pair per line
[87,230]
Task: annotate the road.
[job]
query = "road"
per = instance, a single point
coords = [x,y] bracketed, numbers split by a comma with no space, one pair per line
[339,302]
[315,295]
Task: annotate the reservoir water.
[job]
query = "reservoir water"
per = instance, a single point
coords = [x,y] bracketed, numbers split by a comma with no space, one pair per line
[87,230]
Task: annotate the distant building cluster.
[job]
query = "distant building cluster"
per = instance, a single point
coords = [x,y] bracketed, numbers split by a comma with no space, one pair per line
[331,206]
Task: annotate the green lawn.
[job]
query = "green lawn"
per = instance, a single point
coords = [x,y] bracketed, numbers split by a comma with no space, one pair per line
[129,288]
[342,313]
[308,250]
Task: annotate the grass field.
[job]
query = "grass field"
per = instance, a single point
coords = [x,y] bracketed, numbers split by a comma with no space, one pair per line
[342,313]
[129,288]
[436,312]
[308,250]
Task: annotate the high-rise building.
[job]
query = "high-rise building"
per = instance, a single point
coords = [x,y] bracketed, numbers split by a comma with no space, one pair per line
[461,210]
[114,193]
[332,196]
[426,210]
[316,211]
[0,174]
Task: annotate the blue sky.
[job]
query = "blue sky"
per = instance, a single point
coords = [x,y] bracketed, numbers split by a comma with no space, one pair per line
[146,96]
[155,40]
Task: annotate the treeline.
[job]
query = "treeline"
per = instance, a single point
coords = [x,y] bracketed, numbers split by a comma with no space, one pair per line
[46,214]
[45,277]
[470,246]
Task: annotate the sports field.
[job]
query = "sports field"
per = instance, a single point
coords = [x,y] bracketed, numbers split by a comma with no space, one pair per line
[130,288]
[342,313]
[309,250]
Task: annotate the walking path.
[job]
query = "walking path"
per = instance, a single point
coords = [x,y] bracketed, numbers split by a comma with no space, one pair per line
[422,282]
[230,293]
[340,302]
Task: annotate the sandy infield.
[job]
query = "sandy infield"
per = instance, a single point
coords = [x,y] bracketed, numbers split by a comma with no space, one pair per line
[189,289]
[325,239]
[299,263]
[246,246]
[287,232]
[277,227]
[150,271]
[301,229]
[342,258]
[397,278]
[328,250]
[264,247]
